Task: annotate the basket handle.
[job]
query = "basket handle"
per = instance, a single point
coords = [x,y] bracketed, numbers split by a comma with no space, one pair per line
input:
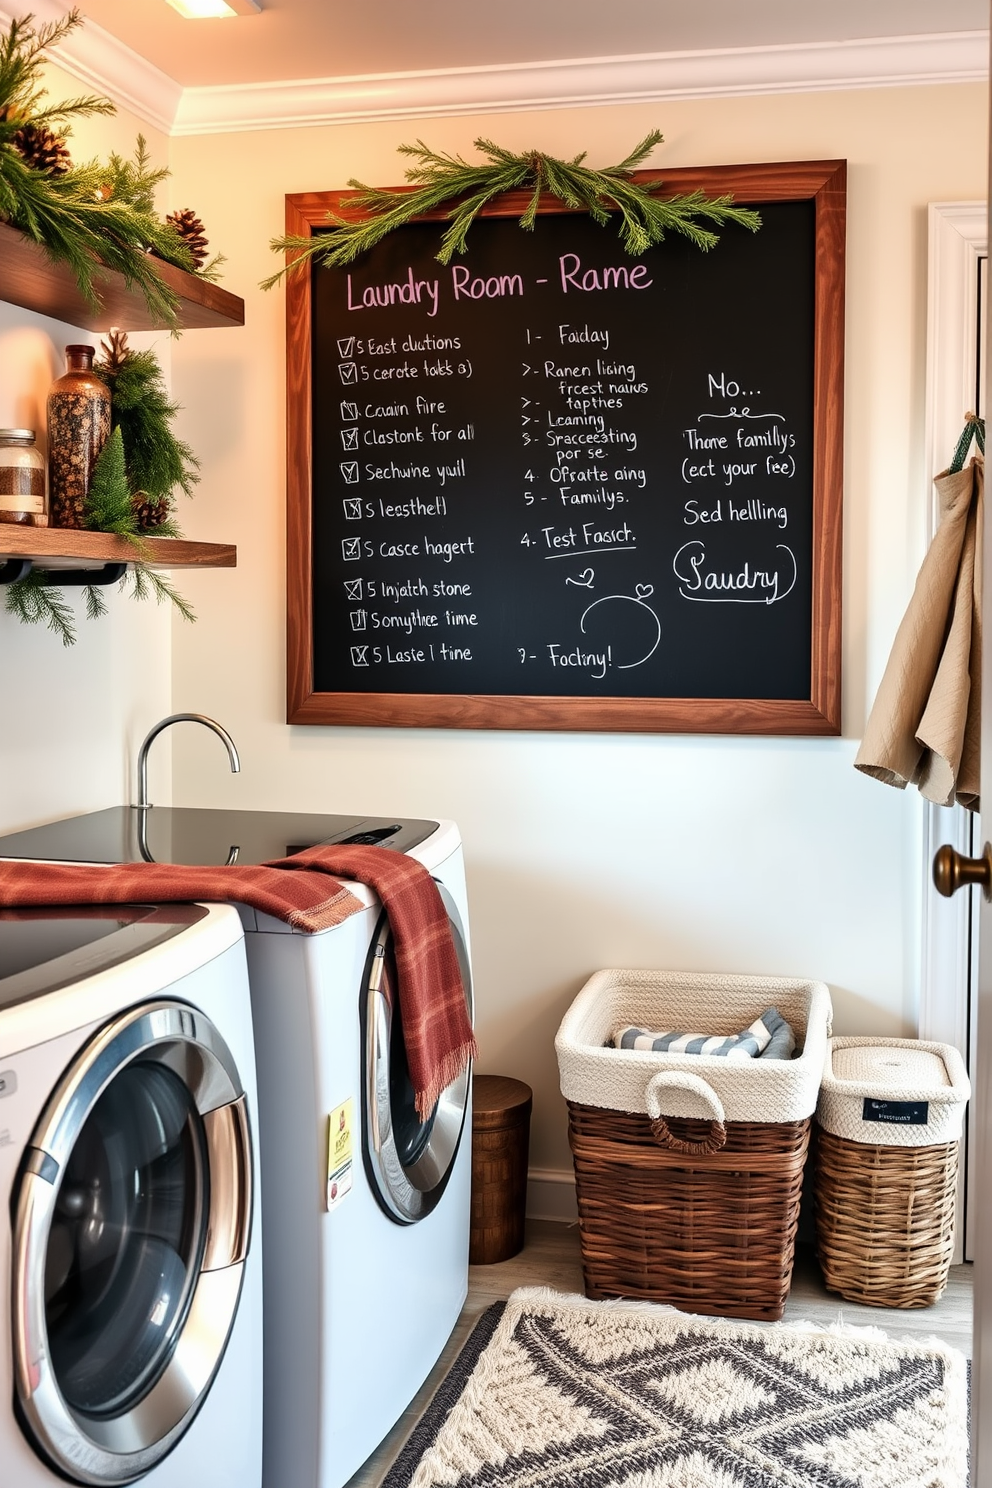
[698,1091]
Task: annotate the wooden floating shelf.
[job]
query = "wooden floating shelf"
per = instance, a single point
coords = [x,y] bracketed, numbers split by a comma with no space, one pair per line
[29,278]
[60,547]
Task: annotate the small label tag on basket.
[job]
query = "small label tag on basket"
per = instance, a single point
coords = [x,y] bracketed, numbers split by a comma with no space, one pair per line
[896,1113]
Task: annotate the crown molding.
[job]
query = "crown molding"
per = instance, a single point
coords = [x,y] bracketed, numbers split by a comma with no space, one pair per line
[103,63]
[886,62]
[106,65]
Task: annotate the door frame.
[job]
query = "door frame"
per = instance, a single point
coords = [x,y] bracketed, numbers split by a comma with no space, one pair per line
[958,245]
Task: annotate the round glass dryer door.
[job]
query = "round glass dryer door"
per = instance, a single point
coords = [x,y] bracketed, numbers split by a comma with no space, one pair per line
[132,1223]
[408,1161]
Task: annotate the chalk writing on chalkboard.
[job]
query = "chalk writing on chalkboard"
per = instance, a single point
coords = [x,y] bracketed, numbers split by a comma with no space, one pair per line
[554,486]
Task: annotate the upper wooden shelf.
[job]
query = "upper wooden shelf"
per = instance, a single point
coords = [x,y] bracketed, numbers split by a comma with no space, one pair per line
[28,278]
[61,547]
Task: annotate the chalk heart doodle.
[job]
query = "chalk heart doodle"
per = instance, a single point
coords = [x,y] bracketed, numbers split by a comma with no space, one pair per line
[626,623]
[584,579]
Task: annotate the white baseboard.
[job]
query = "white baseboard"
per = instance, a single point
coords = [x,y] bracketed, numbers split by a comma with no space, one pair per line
[551,1195]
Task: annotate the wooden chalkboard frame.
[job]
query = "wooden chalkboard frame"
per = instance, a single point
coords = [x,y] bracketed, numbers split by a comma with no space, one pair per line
[822,182]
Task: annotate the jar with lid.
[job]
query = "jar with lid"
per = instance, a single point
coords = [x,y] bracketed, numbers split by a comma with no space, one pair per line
[78,428]
[22,479]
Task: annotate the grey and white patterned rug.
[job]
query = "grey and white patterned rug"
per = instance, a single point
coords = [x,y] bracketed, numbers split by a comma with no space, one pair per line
[553,1391]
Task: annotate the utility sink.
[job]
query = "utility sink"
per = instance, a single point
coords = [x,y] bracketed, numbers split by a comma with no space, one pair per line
[192,834]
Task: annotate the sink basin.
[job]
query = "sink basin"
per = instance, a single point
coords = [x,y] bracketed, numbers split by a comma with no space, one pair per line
[192,834]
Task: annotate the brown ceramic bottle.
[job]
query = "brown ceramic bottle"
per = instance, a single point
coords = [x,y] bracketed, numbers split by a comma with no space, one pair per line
[78,428]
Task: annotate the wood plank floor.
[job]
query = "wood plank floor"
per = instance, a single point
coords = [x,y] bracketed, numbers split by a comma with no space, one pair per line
[551,1258]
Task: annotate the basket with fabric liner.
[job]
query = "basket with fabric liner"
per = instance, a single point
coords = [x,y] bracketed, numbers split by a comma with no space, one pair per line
[888,1128]
[689,1168]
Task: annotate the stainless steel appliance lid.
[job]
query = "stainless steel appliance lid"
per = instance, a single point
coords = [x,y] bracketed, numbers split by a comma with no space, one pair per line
[188,834]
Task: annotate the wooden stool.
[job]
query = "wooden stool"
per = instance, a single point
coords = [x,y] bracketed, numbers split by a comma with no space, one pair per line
[500,1137]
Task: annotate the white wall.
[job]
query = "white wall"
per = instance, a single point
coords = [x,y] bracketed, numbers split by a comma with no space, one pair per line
[586,851]
[71,719]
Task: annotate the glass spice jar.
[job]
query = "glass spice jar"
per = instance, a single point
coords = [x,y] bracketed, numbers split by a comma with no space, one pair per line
[78,428]
[22,479]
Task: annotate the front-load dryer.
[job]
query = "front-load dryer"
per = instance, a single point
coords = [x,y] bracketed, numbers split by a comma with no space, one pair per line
[366,1210]
[130,1256]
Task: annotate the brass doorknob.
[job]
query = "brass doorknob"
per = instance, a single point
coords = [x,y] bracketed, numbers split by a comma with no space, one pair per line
[952,871]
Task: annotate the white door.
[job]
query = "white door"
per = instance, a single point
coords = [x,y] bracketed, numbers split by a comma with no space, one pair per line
[981,1200]
[981,1467]
[958,259]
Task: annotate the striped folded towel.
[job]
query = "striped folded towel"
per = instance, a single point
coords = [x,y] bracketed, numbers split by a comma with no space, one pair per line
[768,1036]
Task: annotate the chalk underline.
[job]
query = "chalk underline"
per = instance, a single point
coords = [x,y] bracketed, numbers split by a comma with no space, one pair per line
[590,552]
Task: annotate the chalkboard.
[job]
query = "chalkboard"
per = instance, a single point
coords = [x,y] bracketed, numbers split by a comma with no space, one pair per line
[551,485]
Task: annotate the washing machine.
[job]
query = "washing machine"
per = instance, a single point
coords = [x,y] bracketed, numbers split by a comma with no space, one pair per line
[366,1211]
[130,1247]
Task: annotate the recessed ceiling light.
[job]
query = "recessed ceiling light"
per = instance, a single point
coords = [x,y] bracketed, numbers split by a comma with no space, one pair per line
[206,10]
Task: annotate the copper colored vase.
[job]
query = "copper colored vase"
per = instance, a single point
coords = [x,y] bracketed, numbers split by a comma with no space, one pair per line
[78,428]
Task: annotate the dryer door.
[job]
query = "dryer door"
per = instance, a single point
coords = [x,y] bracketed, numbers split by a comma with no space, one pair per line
[408,1161]
[131,1226]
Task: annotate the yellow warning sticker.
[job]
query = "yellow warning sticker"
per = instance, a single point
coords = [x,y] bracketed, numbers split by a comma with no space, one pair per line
[339,1153]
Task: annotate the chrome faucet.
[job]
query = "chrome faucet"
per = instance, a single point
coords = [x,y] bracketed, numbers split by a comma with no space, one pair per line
[143,803]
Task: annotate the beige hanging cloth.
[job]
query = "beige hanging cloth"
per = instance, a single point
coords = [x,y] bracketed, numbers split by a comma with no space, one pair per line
[924,728]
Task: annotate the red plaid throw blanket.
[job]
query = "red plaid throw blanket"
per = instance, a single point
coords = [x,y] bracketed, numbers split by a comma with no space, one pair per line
[437,1031]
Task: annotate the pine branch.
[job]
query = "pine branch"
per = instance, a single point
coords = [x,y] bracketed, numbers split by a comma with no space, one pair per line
[157,462]
[33,601]
[169,528]
[447,180]
[22,62]
[69,219]
[211,269]
[108,506]
[70,215]
[146,583]
[134,181]
[96,605]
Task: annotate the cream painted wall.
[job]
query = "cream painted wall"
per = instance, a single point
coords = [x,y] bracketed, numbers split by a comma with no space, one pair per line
[71,719]
[585,851]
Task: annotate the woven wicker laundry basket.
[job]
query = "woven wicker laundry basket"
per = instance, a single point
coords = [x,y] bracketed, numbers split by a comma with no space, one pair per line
[689,1168]
[889,1124]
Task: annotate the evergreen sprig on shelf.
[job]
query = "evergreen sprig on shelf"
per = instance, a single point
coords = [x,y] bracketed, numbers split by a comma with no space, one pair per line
[645,216]
[140,406]
[130,493]
[74,213]
[33,601]
[112,506]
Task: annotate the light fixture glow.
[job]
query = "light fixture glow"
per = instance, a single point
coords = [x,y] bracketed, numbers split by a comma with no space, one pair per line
[206,10]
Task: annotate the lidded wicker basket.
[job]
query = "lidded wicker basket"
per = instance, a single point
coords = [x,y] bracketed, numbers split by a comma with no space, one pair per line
[689,1168]
[889,1124]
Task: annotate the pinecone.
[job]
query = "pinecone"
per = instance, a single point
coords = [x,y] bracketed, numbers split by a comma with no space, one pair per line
[190,229]
[149,514]
[43,150]
[116,351]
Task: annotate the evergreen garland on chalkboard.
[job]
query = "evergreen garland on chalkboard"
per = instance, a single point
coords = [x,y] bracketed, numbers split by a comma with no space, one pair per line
[645,217]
